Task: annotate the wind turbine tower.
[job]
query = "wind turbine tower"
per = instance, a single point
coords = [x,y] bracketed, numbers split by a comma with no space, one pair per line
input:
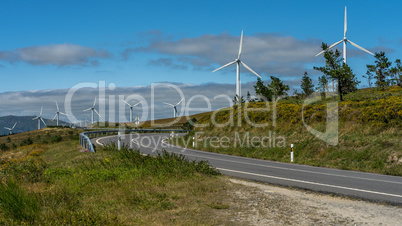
[174,107]
[93,112]
[39,118]
[238,62]
[58,112]
[10,130]
[345,41]
[131,109]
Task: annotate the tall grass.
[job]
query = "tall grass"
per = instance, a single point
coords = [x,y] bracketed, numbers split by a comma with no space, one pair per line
[17,204]
[107,187]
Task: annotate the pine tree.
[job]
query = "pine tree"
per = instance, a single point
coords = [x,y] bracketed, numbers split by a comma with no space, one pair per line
[277,87]
[262,91]
[381,70]
[307,85]
[334,69]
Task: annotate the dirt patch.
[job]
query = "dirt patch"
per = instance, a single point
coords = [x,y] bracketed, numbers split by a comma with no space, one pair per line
[260,204]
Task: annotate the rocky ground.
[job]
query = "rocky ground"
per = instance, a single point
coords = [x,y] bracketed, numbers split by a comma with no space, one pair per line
[260,204]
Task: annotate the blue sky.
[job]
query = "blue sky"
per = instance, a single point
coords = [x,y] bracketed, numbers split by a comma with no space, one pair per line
[47,45]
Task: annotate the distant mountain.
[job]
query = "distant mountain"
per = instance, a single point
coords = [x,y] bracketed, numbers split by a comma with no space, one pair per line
[24,123]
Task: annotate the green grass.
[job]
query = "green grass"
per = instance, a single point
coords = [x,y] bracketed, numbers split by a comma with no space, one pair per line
[55,183]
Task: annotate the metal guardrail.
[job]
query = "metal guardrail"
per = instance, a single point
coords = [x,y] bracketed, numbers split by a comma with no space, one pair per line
[85,137]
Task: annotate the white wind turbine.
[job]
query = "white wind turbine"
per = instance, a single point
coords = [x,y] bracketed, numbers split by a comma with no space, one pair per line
[174,107]
[131,109]
[345,40]
[40,118]
[10,130]
[238,62]
[58,112]
[93,112]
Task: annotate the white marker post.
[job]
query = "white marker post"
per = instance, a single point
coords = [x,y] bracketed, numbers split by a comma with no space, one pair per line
[193,141]
[119,140]
[291,153]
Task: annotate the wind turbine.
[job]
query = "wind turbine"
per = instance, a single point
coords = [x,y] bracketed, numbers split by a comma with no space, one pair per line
[345,40]
[174,107]
[131,109]
[93,111]
[58,112]
[40,118]
[10,129]
[238,62]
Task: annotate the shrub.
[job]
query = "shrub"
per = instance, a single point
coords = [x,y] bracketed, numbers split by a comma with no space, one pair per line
[4,147]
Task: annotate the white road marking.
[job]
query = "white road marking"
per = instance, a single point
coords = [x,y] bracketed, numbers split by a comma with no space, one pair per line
[266,166]
[313,183]
[277,167]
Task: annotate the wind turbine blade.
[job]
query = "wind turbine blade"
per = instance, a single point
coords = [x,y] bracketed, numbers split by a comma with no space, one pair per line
[97,113]
[57,106]
[7,128]
[43,121]
[94,102]
[357,46]
[41,111]
[336,43]
[241,44]
[169,104]
[345,28]
[126,103]
[62,113]
[224,66]
[35,118]
[248,68]
[14,126]
[180,101]
[87,109]
[54,117]
[137,104]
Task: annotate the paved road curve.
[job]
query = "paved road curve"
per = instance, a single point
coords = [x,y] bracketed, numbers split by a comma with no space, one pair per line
[368,186]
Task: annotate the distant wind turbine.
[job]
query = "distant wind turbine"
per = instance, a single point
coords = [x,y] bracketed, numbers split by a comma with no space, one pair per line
[93,112]
[10,130]
[174,107]
[131,109]
[238,62]
[39,118]
[345,40]
[58,112]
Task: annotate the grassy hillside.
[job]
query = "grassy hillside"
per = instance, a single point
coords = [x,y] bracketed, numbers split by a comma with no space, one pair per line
[53,183]
[370,131]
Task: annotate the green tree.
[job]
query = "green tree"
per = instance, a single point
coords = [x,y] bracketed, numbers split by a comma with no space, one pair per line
[277,87]
[396,73]
[307,85]
[262,91]
[380,70]
[334,69]
[369,76]
[237,100]
[347,82]
[322,85]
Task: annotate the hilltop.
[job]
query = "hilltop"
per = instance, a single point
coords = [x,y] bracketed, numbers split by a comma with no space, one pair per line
[369,131]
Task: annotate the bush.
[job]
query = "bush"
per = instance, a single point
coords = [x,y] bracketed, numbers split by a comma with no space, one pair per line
[27,141]
[4,147]
[56,139]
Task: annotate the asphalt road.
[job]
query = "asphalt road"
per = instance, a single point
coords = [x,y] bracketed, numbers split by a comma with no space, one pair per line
[366,186]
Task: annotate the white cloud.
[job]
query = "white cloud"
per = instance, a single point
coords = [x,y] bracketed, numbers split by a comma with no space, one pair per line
[56,54]
[266,53]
